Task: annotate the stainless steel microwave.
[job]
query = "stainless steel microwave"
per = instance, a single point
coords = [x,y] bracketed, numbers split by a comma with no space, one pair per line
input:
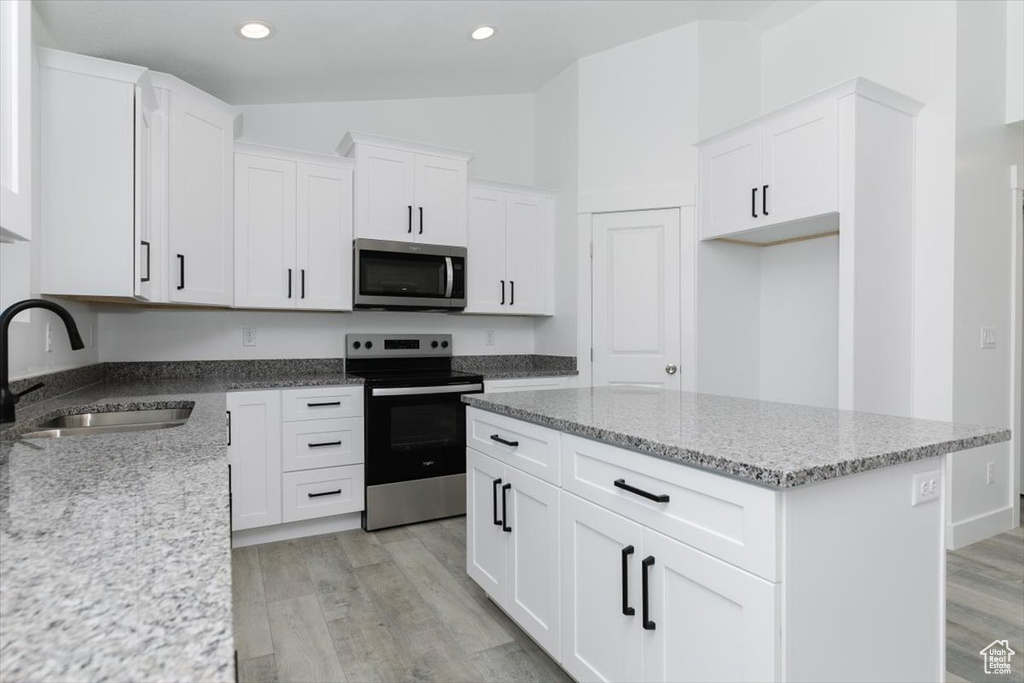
[405,276]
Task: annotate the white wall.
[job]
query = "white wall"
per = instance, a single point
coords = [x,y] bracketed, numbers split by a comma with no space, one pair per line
[1014,61]
[985,150]
[556,151]
[499,128]
[19,279]
[132,333]
[638,114]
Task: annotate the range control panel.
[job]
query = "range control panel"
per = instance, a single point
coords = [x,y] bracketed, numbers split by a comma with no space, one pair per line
[398,345]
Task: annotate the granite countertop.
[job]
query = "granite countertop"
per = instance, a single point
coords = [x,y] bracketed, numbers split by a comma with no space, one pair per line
[773,444]
[116,554]
[526,373]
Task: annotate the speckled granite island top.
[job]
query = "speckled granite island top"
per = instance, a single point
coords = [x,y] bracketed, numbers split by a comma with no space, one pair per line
[774,444]
[115,555]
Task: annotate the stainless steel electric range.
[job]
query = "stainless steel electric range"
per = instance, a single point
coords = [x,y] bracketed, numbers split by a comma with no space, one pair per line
[415,426]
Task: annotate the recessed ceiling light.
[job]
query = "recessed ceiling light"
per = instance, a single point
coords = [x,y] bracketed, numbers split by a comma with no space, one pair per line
[256,30]
[482,32]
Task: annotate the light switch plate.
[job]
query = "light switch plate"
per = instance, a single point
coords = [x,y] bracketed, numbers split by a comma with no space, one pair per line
[988,337]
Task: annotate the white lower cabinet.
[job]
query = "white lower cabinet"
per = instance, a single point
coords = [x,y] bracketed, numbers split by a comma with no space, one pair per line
[290,463]
[512,544]
[501,386]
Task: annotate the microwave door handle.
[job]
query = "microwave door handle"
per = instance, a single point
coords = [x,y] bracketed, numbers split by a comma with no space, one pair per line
[451,277]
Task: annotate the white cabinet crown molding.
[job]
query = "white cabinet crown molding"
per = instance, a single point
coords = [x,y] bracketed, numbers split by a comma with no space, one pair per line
[354,137]
[180,87]
[297,155]
[499,186]
[854,86]
[94,66]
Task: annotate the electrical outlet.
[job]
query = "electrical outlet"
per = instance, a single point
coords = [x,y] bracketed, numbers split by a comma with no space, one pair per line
[48,343]
[926,487]
[990,473]
[489,338]
[988,337]
[248,336]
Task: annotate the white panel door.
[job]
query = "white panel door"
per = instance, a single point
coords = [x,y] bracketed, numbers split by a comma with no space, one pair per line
[324,237]
[200,225]
[526,253]
[800,165]
[602,638]
[636,304]
[531,568]
[486,285]
[711,620]
[15,121]
[730,187]
[485,539]
[385,193]
[440,216]
[264,232]
[254,452]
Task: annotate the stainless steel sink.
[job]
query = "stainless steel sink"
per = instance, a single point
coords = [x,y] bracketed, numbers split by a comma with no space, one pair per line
[102,423]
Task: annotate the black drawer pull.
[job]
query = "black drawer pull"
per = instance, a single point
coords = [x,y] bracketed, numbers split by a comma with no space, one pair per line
[181,271]
[325,493]
[753,202]
[494,500]
[513,444]
[324,444]
[764,200]
[324,404]
[647,562]
[504,509]
[621,483]
[626,609]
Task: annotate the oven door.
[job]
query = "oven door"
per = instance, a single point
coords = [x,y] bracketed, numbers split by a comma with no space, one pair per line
[400,275]
[415,432]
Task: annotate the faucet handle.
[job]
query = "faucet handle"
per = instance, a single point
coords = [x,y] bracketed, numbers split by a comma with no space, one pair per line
[32,388]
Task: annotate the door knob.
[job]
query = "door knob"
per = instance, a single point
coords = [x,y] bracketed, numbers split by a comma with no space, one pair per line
[671,369]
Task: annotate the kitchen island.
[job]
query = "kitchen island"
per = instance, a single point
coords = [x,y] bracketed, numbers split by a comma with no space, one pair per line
[640,534]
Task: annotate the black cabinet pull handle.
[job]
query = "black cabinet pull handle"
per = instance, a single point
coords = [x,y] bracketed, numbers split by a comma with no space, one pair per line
[662,498]
[181,271]
[753,202]
[146,245]
[325,444]
[229,426]
[764,200]
[494,500]
[303,275]
[512,297]
[504,509]
[626,609]
[513,444]
[409,206]
[502,292]
[421,220]
[323,404]
[647,562]
[325,493]
[289,283]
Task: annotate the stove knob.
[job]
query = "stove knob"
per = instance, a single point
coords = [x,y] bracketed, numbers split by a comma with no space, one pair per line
[356,345]
[369,344]
[444,345]
[433,344]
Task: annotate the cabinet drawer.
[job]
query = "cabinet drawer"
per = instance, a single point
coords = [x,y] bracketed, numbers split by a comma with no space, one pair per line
[528,447]
[319,493]
[725,518]
[312,444]
[321,403]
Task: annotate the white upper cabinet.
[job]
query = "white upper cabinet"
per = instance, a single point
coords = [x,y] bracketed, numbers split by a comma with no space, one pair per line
[511,235]
[94,176]
[293,229]
[15,121]
[407,191]
[775,178]
[201,132]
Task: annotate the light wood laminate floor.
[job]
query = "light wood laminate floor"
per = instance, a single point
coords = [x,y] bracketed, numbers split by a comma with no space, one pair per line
[397,605]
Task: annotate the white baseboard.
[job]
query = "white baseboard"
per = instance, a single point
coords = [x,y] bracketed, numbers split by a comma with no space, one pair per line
[978,528]
[286,532]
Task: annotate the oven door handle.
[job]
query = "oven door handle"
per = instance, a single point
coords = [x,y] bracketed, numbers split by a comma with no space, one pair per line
[423,391]
[450,268]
